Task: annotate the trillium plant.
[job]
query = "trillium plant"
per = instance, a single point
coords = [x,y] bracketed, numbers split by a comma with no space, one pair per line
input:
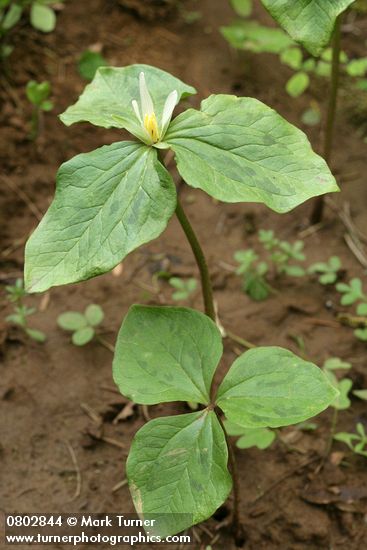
[112,200]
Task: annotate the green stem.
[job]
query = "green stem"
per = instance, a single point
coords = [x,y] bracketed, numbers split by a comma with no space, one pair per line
[210,311]
[200,260]
[35,120]
[334,421]
[318,209]
[237,529]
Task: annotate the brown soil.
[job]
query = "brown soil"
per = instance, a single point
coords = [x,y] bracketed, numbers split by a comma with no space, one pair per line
[46,390]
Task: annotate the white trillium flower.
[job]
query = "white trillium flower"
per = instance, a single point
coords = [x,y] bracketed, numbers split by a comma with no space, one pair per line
[146,116]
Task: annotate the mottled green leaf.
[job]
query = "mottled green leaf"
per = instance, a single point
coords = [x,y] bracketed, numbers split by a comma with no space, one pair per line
[106,101]
[177,468]
[166,354]
[310,22]
[271,387]
[242,7]
[108,202]
[238,149]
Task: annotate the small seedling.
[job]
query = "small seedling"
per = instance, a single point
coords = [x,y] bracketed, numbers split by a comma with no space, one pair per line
[184,288]
[357,442]
[351,292]
[42,18]
[19,317]
[254,282]
[82,325]
[261,438]
[283,253]
[89,62]
[361,332]
[343,386]
[38,94]
[327,271]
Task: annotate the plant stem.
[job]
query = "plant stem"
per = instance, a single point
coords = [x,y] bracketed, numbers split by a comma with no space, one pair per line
[334,421]
[318,209]
[200,260]
[237,529]
[210,311]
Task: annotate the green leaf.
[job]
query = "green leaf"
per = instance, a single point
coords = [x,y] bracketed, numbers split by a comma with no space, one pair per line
[176,282]
[71,320]
[89,62]
[361,334]
[351,292]
[271,387]
[245,258]
[362,309]
[334,363]
[37,93]
[346,438]
[108,202]
[94,314]
[297,84]
[242,7]
[177,468]
[310,23]
[256,287]
[82,336]
[12,17]
[357,67]
[362,394]
[251,36]
[311,117]
[166,354]
[240,150]
[261,438]
[292,57]
[36,335]
[107,100]
[342,402]
[294,270]
[250,437]
[43,18]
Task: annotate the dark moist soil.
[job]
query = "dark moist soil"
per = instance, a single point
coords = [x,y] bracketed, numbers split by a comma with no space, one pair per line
[57,399]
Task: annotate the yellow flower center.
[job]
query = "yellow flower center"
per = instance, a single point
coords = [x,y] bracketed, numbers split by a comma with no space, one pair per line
[151,125]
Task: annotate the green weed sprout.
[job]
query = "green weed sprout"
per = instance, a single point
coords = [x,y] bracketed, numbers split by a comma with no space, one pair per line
[16,294]
[254,273]
[357,442]
[184,288]
[280,258]
[82,325]
[351,292]
[42,18]
[327,271]
[261,438]
[111,201]
[38,94]
[89,62]
[343,386]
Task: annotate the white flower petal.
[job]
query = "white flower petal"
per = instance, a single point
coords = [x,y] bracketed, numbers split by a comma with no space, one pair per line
[168,108]
[146,101]
[136,110]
